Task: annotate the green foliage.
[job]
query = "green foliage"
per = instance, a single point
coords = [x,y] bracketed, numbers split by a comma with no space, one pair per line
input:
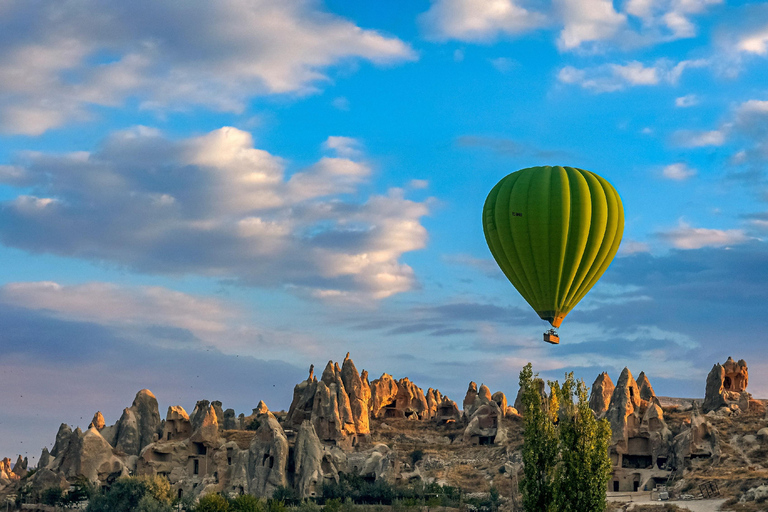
[276,506]
[416,456]
[247,503]
[585,465]
[287,495]
[212,503]
[332,505]
[540,449]
[150,504]
[158,487]
[130,494]
[51,496]
[81,491]
[565,451]
[309,506]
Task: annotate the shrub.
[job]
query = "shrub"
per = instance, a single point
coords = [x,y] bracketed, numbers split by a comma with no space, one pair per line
[253,425]
[150,504]
[286,495]
[51,496]
[247,503]
[416,456]
[124,496]
[212,503]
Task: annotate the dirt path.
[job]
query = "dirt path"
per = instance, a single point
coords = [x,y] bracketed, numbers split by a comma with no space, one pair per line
[693,506]
[644,498]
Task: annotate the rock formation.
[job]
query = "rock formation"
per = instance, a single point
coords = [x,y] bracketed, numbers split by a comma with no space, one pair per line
[700,441]
[383,394]
[640,440]
[97,421]
[726,387]
[600,397]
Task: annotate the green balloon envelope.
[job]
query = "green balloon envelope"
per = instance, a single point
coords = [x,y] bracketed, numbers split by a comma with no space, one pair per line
[553,232]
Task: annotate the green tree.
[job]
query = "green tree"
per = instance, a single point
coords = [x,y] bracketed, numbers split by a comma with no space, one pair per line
[81,491]
[540,446]
[132,494]
[585,465]
[565,448]
[212,503]
[158,487]
[51,496]
[247,503]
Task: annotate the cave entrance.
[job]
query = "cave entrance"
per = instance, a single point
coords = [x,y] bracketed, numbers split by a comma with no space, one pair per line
[637,461]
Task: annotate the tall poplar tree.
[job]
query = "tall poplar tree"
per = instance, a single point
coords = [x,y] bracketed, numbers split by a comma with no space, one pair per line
[565,448]
[540,448]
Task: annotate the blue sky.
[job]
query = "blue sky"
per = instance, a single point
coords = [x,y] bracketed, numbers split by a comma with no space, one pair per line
[205,198]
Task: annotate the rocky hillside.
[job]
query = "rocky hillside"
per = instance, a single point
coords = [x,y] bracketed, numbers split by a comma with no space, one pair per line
[391,429]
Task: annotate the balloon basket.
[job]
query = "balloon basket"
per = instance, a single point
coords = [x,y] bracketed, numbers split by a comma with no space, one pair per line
[552,337]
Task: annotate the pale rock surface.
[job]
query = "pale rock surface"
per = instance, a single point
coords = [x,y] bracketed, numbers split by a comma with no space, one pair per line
[410,401]
[646,390]
[383,393]
[91,456]
[139,424]
[359,391]
[501,400]
[623,411]
[62,440]
[20,467]
[45,458]
[128,437]
[600,397]
[726,386]
[207,431]
[303,401]
[98,421]
[469,399]
[268,456]
[314,463]
[447,412]
[177,424]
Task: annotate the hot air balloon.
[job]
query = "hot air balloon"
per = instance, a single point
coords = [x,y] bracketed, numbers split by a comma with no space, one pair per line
[553,232]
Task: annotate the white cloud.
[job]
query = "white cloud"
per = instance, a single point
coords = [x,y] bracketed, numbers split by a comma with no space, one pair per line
[689,100]
[615,77]
[756,42]
[214,205]
[678,172]
[168,55]
[346,147]
[478,20]
[688,237]
[107,303]
[629,247]
[699,139]
[586,21]
[581,22]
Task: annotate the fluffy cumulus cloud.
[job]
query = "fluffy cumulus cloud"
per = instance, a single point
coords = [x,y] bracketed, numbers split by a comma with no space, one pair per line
[59,58]
[615,77]
[479,20]
[581,23]
[678,171]
[214,205]
[744,131]
[685,236]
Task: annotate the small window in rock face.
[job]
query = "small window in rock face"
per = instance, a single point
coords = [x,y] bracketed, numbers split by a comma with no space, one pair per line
[197,467]
[229,461]
[169,436]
